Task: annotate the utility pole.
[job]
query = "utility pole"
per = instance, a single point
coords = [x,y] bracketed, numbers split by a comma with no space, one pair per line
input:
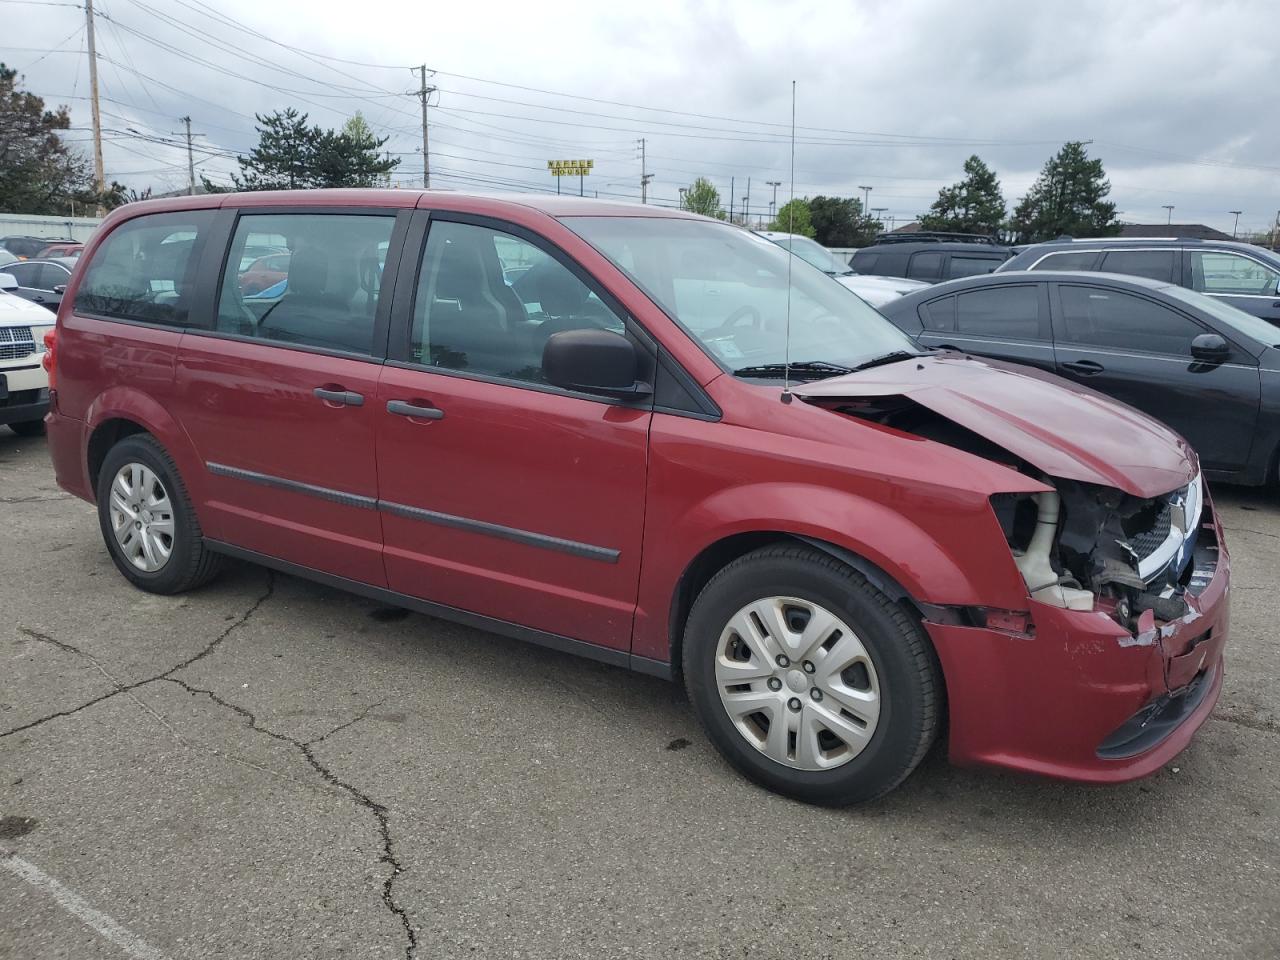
[746,199]
[878,211]
[424,93]
[645,176]
[866,198]
[1275,231]
[731,199]
[1169,207]
[191,161]
[1235,226]
[773,204]
[99,176]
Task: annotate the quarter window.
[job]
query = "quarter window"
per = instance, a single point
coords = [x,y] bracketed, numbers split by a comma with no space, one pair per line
[488,301]
[962,266]
[1068,260]
[322,286]
[1093,316]
[1010,313]
[1155,264]
[1230,274]
[145,270]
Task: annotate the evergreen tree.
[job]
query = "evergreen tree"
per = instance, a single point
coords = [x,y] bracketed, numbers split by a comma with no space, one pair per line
[840,222]
[974,205]
[349,158]
[285,157]
[1069,197]
[39,173]
[794,217]
[702,197]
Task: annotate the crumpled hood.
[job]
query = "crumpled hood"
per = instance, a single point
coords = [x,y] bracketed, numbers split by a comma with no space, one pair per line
[1065,430]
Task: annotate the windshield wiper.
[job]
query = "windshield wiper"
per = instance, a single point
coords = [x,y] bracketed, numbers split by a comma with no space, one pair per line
[887,358]
[799,367]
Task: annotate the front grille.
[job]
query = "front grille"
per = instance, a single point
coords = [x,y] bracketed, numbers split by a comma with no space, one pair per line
[16,343]
[1149,540]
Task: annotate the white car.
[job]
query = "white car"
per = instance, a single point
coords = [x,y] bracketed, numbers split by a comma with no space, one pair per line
[877,291]
[24,384]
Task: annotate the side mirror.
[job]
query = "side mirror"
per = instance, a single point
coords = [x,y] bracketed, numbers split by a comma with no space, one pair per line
[8,282]
[1210,348]
[593,361]
[60,288]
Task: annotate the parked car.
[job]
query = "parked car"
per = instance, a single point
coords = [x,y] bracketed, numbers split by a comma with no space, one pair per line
[24,384]
[1240,274]
[929,257]
[874,290]
[6,257]
[63,248]
[618,461]
[42,281]
[1208,370]
[264,272]
[24,248]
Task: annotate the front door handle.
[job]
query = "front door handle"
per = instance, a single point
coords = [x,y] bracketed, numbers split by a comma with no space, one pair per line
[1086,368]
[345,398]
[418,411]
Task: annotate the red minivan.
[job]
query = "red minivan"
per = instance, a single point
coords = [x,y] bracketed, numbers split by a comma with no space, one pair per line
[650,438]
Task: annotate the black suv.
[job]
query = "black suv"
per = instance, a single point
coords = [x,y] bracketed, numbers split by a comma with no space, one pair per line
[1245,276]
[931,257]
[28,247]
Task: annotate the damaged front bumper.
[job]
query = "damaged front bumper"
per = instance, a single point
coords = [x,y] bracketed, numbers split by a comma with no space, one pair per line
[1081,697]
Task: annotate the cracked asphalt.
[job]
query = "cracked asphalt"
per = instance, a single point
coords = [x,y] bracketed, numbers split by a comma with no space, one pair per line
[270,768]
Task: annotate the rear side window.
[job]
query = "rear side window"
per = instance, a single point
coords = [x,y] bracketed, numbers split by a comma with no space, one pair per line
[25,273]
[962,266]
[939,315]
[309,279]
[1068,260]
[145,270]
[925,266]
[487,302]
[1156,264]
[1093,316]
[864,263]
[1010,313]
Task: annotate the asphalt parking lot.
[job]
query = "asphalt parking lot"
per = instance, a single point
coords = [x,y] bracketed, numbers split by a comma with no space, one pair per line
[269,768]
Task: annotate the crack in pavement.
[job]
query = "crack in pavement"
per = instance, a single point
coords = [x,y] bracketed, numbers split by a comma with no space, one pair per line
[127,688]
[1253,723]
[380,812]
[65,496]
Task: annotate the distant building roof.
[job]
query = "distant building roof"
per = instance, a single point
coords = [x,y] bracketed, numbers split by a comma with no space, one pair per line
[1178,231]
[912,227]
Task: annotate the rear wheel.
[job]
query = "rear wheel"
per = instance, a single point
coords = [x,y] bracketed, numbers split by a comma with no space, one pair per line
[28,428]
[147,520]
[808,679]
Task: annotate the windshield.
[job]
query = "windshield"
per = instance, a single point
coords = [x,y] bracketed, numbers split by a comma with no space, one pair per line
[728,288]
[811,251]
[1254,327]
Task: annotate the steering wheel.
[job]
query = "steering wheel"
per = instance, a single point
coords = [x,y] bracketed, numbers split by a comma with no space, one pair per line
[734,321]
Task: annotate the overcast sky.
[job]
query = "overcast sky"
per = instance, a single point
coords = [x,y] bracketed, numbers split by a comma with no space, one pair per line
[1177,97]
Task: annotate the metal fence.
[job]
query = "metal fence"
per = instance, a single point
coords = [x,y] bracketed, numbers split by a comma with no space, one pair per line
[29,225]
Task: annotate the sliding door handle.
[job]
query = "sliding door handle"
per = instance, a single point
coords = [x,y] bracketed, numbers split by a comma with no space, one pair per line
[345,398]
[418,411]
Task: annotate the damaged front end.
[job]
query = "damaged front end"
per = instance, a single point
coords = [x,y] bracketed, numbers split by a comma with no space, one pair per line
[1084,546]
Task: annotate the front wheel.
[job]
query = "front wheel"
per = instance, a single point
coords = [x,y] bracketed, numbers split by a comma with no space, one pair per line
[808,679]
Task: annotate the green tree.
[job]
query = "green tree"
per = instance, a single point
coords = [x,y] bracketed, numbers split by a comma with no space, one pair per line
[291,155]
[349,158]
[840,222]
[1068,197]
[39,173]
[974,205]
[794,217]
[702,197]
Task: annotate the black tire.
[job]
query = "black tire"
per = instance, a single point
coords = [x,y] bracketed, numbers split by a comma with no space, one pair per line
[904,660]
[28,428]
[191,563]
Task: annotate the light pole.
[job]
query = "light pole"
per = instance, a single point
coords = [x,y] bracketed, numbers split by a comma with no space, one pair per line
[773,204]
[683,191]
[1169,207]
[866,198]
[1235,226]
[877,211]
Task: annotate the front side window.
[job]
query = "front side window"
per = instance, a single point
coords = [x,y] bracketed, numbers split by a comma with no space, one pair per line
[1155,264]
[146,269]
[488,301]
[309,279]
[729,290]
[1097,317]
[1067,260]
[1009,313]
[1214,271]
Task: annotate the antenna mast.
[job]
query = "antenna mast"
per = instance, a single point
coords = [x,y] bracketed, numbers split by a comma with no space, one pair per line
[791,216]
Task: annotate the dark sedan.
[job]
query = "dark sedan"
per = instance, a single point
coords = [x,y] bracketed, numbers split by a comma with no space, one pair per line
[1208,370]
